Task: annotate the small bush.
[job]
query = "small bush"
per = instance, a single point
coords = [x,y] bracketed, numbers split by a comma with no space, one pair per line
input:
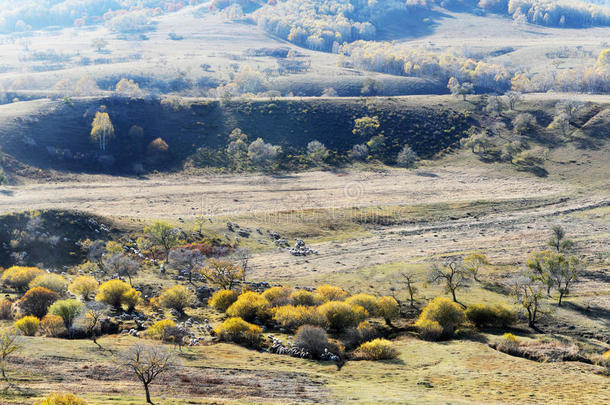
[330,293]
[340,315]
[508,343]
[313,339]
[53,282]
[429,330]
[37,301]
[277,296]
[250,306]
[447,313]
[69,310]
[28,325]
[19,277]
[177,297]
[366,301]
[388,308]
[303,297]
[61,399]
[6,309]
[239,331]
[378,349]
[157,330]
[84,287]
[484,315]
[53,326]
[222,300]
[291,317]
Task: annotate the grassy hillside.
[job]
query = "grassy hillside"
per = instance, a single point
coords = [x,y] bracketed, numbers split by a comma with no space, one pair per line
[56,134]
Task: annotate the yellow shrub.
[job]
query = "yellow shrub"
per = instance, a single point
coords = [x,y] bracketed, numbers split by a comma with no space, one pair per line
[249,306]
[177,297]
[606,355]
[277,295]
[341,315]
[28,325]
[83,286]
[61,399]
[366,301]
[116,293]
[447,313]
[239,331]
[378,349]
[157,330]
[509,337]
[19,277]
[6,309]
[53,326]
[330,293]
[131,298]
[114,247]
[429,330]
[304,297]
[221,300]
[388,308]
[291,317]
[53,282]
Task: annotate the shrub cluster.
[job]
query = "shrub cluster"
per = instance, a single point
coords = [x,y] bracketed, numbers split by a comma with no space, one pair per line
[157,330]
[222,300]
[61,399]
[177,297]
[340,315]
[291,317]
[19,277]
[250,306]
[445,312]
[237,330]
[378,349]
[53,326]
[28,325]
[37,301]
[117,293]
[490,316]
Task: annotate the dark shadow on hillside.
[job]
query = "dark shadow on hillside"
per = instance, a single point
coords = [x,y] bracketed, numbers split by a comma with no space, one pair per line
[7,192]
[590,312]
[408,24]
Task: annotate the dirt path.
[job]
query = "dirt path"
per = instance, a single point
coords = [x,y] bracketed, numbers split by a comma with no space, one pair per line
[506,238]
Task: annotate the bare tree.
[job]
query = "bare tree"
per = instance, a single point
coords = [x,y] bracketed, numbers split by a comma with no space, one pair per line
[121,264]
[95,252]
[9,344]
[186,260]
[147,363]
[513,97]
[222,273]
[474,262]
[96,311]
[242,256]
[452,275]
[528,293]
[411,289]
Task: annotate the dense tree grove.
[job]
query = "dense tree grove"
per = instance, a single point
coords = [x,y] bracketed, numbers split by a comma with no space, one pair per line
[325,25]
